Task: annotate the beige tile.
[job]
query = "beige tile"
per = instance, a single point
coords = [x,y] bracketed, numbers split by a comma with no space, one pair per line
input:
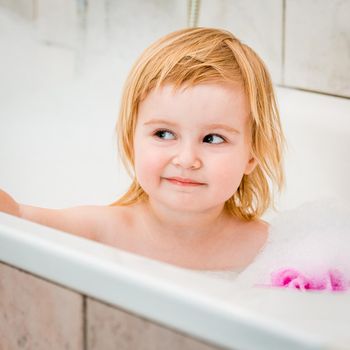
[58,23]
[112,328]
[131,26]
[38,315]
[257,23]
[24,8]
[318,46]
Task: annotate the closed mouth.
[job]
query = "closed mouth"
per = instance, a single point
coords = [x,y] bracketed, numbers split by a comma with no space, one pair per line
[184,182]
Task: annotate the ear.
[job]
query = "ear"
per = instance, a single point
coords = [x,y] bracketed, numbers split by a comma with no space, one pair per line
[250,166]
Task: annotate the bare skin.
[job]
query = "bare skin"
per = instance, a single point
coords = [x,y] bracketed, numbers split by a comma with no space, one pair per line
[190,155]
[225,243]
[232,245]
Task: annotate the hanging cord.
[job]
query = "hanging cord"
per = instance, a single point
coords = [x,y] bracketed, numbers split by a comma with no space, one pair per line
[193,12]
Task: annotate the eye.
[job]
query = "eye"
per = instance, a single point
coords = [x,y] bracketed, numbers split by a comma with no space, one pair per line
[164,134]
[213,138]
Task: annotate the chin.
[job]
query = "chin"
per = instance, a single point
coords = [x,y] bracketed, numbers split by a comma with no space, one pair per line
[189,205]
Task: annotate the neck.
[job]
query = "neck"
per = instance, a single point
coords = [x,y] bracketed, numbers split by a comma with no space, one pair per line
[183,225]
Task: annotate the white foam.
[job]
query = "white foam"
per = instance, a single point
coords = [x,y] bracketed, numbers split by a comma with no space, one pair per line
[312,239]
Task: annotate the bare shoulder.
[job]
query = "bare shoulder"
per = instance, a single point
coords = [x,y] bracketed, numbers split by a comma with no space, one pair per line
[260,227]
[247,240]
[257,232]
[118,216]
[116,224]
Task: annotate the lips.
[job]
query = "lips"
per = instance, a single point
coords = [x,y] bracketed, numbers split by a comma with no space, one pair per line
[184,181]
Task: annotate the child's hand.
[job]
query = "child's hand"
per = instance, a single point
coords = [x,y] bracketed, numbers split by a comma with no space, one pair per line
[8,204]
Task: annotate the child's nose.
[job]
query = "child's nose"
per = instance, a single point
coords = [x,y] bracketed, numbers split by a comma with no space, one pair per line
[187,157]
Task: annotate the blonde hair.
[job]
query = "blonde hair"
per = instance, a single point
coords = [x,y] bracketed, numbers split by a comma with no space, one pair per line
[197,55]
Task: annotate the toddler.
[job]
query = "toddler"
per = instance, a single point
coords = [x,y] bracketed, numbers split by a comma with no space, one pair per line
[200,134]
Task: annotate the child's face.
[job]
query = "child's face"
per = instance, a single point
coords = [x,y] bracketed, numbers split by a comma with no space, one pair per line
[178,135]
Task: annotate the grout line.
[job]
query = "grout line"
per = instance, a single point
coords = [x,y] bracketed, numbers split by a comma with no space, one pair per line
[283,48]
[283,60]
[85,341]
[84,306]
[312,91]
[35,275]
[34,10]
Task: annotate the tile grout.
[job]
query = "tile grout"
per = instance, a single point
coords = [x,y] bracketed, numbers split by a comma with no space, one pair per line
[84,315]
[312,91]
[283,53]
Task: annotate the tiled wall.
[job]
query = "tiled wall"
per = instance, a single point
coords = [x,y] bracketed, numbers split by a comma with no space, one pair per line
[306,44]
[317,46]
[37,314]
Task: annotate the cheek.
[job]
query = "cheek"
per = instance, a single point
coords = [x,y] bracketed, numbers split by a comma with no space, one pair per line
[149,164]
[229,181]
[228,172]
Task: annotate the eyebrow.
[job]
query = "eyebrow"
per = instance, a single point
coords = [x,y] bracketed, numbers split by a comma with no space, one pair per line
[208,126]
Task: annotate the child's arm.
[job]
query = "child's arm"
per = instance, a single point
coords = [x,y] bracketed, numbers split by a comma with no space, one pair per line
[8,204]
[80,221]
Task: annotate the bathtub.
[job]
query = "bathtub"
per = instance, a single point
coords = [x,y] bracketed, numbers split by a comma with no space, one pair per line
[177,308]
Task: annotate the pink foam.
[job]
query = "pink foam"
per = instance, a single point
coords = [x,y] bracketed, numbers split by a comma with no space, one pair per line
[332,280]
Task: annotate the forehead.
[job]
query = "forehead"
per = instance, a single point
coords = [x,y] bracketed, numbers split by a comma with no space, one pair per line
[210,102]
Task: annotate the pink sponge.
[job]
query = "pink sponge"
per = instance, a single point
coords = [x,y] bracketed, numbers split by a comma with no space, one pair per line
[332,280]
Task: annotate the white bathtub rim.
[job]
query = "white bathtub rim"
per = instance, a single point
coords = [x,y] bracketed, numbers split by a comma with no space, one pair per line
[81,253]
